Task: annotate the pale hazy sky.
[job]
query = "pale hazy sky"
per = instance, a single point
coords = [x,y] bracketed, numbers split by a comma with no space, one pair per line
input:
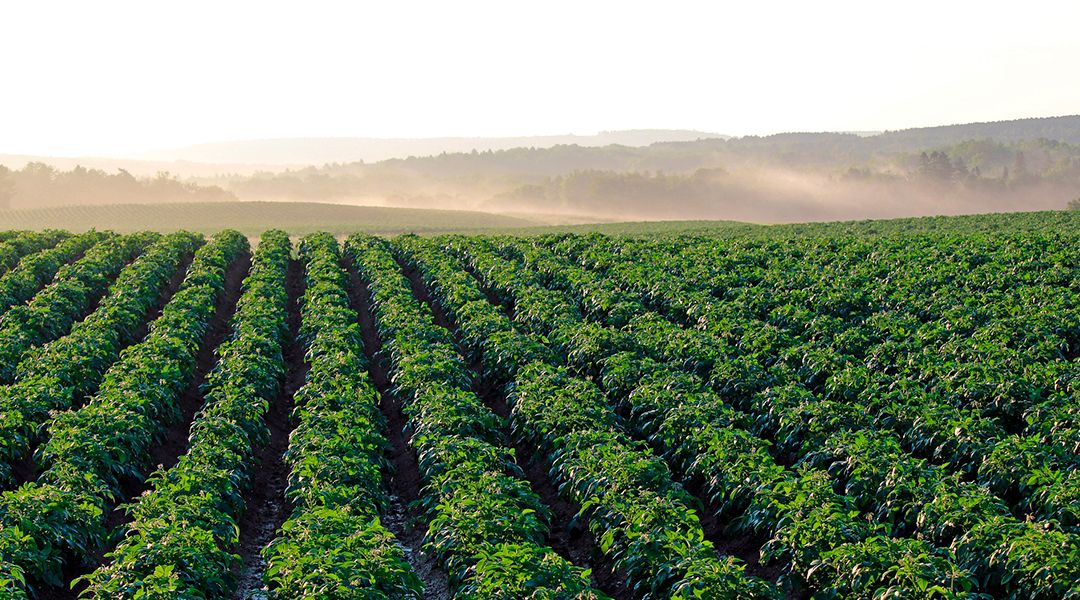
[123,77]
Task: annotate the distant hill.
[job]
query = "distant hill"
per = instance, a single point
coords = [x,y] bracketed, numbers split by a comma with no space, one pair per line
[318,151]
[1025,164]
[138,168]
[1063,129]
[814,150]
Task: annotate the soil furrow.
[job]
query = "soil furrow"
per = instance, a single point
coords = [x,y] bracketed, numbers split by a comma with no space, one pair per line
[404,482]
[174,443]
[173,286]
[266,504]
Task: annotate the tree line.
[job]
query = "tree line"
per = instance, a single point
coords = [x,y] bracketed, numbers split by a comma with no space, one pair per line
[41,185]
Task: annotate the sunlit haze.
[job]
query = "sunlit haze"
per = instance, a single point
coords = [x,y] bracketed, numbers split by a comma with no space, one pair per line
[122,78]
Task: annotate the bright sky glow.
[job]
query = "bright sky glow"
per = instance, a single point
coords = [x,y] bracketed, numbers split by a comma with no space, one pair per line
[116,78]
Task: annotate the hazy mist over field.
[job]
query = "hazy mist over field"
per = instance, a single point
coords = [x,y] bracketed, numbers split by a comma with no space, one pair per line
[560,112]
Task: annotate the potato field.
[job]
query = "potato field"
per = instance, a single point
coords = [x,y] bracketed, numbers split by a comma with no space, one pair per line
[866,410]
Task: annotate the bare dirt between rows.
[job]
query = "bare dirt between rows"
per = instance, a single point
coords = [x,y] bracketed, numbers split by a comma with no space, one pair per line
[266,505]
[175,441]
[566,535]
[404,482]
[171,287]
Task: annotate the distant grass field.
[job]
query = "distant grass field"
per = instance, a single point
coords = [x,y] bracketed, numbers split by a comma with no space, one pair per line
[252,218]
[301,218]
[633,228]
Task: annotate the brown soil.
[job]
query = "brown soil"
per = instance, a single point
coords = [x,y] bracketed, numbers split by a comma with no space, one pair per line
[266,505]
[171,287]
[174,443]
[25,469]
[404,481]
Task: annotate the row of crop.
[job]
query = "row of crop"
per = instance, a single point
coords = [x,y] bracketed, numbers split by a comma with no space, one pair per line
[55,375]
[817,531]
[1034,467]
[62,515]
[74,290]
[644,521]
[334,545]
[27,243]
[35,270]
[184,530]
[987,324]
[485,524]
[909,494]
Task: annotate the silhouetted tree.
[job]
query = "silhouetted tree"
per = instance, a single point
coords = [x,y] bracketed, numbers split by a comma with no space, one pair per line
[7,187]
[960,170]
[38,184]
[936,166]
[1019,170]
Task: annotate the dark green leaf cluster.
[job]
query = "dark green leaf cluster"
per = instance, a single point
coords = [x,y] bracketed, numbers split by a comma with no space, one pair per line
[55,375]
[789,368]
[703,437]
[22,244]
[62,514]
[640,517]
[35,270]
[74,290]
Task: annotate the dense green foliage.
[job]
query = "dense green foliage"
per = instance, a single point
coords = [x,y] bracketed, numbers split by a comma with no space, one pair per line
[868,410]
[90,449]
[15,247]
[824,406]
[55,375]
[641,518]
[74,291]
[35,270]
